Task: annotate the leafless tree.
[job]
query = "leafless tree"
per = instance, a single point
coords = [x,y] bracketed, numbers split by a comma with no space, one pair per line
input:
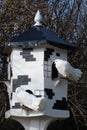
[68,19]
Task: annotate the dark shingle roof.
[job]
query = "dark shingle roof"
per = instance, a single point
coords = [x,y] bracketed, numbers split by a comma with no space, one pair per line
[38,35]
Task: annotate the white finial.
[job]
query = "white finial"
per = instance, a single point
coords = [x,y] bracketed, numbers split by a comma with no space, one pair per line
[38,19]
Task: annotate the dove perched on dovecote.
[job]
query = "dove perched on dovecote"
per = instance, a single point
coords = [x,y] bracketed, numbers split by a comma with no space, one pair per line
[30,100]
[66,70]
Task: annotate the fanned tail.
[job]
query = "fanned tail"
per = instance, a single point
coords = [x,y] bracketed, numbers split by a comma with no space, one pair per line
[77,74]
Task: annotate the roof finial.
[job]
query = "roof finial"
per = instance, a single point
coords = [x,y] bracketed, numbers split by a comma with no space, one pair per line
[38,19]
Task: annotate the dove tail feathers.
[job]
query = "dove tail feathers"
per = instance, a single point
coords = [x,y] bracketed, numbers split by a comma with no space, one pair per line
[77,74]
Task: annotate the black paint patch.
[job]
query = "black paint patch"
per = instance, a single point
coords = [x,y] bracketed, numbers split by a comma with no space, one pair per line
[26,53]
[47,53]
[16,106]
[60,104]
[21,80]
[57,54]
[49,93]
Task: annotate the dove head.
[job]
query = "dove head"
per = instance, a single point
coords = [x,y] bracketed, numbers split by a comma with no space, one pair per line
[19,89]
[56,61]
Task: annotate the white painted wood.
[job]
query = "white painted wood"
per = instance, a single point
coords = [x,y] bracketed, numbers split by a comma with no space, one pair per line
[40,73]
[40,123]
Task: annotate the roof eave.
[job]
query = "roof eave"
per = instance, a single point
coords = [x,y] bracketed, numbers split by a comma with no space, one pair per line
[63,46]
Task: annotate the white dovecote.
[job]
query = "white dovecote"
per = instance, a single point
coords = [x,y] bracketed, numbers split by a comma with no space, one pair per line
[32,69]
